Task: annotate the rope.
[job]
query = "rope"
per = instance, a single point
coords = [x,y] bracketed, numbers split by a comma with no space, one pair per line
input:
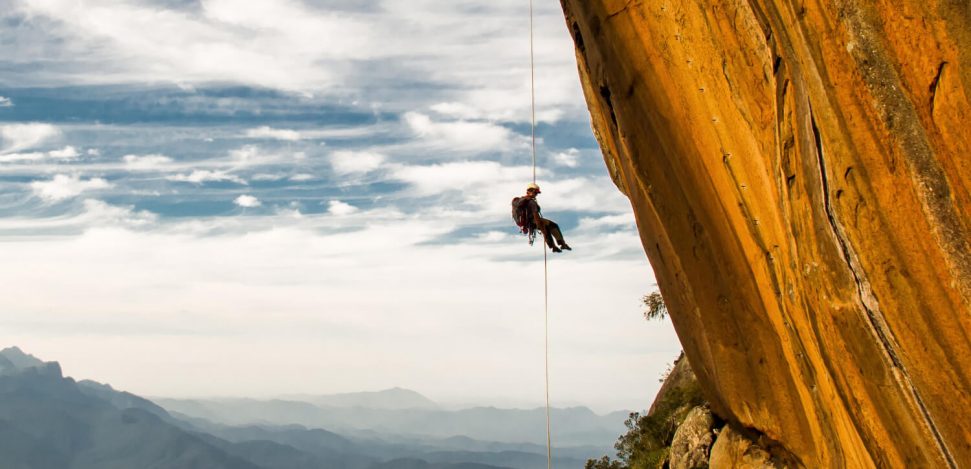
[546,310]
[546,269]
[532,87]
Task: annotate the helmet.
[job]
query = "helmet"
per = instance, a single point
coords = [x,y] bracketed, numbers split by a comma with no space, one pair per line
[534,187]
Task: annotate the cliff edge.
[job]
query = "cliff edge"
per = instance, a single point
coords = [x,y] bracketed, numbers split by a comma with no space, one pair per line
[801,176]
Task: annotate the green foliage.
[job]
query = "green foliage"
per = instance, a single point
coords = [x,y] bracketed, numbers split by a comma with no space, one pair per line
[648,438]
[603,463]
[656,308]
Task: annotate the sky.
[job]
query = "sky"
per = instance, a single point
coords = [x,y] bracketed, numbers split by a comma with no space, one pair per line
[271,197]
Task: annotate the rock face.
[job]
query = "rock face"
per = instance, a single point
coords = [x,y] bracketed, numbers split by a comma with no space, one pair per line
[801,176]
[693,440]
[734,451]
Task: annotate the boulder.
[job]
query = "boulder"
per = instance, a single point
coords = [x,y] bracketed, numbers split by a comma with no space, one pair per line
[693,440]
[733,450]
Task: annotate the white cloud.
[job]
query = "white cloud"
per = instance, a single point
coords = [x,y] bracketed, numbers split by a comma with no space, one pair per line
[336,207]
[461,135]
[275,134]
[63,187]
[65,153]
[494,237]
[17,137]
[5,102]
[229,41]
[591,194]
[243,300]
[460,176]
[251,156]
[355,162]
[457,110]
[23,157]
[622,220]
[489,185]
[483,188]
[289,45]
[569,158]
[247,201]
[302,177]
[201,176]
[145,162]
[104,214]
[268,177]
[290,212]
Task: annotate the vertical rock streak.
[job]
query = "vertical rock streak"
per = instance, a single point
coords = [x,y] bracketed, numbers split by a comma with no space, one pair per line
[871,305]
[831,314]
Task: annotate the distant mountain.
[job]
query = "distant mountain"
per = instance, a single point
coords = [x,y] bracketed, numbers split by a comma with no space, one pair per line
[574,426]
[394,398]
[13,360]
[349,451]
[47,422]
[411,463]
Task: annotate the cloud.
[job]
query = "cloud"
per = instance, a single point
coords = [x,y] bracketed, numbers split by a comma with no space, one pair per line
[5,102]
[302,177]
[201,176]
[66,153]
[476,57]
[145,162]
[569,158]
[462,135]
[104,214]
[251,300]
[224,41]
[336,207]
[251,155]
[274,134]
[355,162]
[63,187]
[457,110]
[459,176]
[584,194]
[269,177]
[17,137]
[247,201]
[607,223]
[289,212]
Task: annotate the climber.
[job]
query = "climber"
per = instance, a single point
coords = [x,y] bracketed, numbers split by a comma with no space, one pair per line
[527,214]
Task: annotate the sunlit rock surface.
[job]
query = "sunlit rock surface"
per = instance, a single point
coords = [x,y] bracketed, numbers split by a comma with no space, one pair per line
[800,173]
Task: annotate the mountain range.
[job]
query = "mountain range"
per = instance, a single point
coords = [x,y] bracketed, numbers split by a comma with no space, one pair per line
[49,421]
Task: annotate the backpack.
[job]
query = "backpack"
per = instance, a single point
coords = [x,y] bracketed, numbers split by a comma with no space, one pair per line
[523,218]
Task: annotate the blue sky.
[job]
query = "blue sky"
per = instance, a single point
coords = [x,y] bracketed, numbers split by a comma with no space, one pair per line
[275,197]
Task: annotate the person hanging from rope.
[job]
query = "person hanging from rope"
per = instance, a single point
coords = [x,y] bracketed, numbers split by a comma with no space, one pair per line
[529,218]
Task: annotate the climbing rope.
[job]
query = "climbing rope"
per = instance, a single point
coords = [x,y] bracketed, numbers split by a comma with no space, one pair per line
[532,88]
[546,269]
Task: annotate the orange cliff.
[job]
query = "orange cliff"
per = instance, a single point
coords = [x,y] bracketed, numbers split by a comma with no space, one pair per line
[800,173]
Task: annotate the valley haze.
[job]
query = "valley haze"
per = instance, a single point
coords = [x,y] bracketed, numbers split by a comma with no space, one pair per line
[51,421]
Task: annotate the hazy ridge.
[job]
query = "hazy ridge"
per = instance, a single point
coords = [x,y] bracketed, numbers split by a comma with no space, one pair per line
[48,421]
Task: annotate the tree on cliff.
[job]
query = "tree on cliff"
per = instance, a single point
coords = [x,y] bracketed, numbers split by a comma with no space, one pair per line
[656,308]
[648,439]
